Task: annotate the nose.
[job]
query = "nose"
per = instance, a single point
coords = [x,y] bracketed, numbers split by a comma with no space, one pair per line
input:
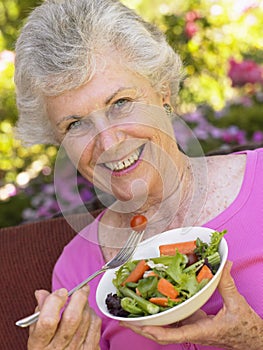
[108,134]
[109,138]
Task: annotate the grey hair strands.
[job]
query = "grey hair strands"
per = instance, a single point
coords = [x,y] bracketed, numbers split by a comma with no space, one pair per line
[59,47]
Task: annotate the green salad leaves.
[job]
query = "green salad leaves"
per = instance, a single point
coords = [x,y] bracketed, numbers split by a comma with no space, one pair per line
[146,287]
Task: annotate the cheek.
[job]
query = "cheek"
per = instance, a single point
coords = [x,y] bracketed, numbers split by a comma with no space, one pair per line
[79,153]
[85,162]
[86,170]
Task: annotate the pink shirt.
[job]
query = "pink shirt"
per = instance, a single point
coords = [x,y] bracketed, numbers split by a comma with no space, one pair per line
[243,220]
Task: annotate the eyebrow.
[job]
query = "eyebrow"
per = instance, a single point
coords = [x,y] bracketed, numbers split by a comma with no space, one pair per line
[107,101]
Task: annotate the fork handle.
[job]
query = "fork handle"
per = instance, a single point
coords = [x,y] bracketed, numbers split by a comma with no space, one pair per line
[27,321]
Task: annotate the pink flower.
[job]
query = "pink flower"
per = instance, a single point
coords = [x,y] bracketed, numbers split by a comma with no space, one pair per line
[191,29]
[245,72]
[192,16]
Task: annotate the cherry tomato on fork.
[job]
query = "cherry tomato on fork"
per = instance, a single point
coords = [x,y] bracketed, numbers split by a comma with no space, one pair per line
[138,222]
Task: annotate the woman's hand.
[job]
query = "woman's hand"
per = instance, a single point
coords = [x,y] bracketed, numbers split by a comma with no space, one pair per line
[236,326]
[78,329]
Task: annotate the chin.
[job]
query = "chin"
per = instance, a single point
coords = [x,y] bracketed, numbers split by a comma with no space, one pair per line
[132,198]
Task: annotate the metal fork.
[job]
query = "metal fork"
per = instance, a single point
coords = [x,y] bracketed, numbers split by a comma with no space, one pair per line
[122,257]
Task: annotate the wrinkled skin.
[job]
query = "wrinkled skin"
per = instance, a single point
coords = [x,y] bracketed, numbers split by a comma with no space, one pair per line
[79,328]
[235,327]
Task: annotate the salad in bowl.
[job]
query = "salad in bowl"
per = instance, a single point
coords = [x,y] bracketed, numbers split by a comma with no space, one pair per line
[170,276]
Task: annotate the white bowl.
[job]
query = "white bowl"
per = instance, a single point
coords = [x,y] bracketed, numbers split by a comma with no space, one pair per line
[149,249]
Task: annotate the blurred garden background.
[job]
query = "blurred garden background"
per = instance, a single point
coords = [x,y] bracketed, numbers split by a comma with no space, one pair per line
[221,44]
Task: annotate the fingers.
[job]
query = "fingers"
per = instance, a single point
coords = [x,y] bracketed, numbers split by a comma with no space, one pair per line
[197,316]
[41,296]
[227,287]
[231,326]
[80,335]
[74,322]
[161,335]
[148,332]
[78,327]
[94,332]
[46,326]
[192,332]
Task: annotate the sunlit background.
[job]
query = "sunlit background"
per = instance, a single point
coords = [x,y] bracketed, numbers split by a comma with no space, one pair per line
[221,44]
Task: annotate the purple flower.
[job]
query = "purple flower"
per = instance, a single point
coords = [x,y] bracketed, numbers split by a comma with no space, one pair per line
[234,135]
[29,214]
[82,181]
[246,101]
[48,209]
[221,113]
[194,117]
[216,133]
[86,194]
[257,136]
[48,189]
[200,133]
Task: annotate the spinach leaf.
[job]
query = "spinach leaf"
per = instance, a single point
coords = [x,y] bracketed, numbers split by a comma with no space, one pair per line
[147,286]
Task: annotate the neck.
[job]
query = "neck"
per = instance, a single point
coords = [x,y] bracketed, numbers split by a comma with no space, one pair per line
[183,198]
[180,200]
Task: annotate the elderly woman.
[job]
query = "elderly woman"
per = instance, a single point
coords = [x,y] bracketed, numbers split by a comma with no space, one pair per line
[93,77]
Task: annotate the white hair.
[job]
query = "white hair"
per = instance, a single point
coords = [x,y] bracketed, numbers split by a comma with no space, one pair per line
[57,50]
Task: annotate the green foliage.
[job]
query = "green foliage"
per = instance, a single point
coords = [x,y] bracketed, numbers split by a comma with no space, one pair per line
[18,165]
[207,49]
[13,14]
[246,117]
[11,210]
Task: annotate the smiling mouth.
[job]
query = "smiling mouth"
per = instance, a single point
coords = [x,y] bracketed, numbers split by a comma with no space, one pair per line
[126,162]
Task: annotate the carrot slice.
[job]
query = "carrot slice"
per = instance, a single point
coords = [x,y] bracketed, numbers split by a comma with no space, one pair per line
[163,301]
[166,288]
[204,273]
[137,292]
[137,272]
[151,274]
[181,247]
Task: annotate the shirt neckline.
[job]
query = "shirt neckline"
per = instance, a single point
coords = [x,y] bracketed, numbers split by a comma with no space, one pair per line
[243,194]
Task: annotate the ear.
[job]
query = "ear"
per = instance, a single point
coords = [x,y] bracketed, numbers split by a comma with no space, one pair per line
[166,95]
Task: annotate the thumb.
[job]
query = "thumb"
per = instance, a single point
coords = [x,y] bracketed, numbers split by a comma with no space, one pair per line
[41,296]
[226,286]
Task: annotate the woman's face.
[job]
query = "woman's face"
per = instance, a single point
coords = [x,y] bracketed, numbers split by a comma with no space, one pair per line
[116,131]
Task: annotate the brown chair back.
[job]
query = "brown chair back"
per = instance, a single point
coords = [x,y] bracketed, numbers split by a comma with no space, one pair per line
[27,256]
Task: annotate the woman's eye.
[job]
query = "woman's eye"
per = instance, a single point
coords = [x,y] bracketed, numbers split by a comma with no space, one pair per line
[121,108]
[79,126]
[121,102]
[74,125]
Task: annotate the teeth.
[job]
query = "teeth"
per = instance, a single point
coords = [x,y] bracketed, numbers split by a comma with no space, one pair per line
[115,166]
